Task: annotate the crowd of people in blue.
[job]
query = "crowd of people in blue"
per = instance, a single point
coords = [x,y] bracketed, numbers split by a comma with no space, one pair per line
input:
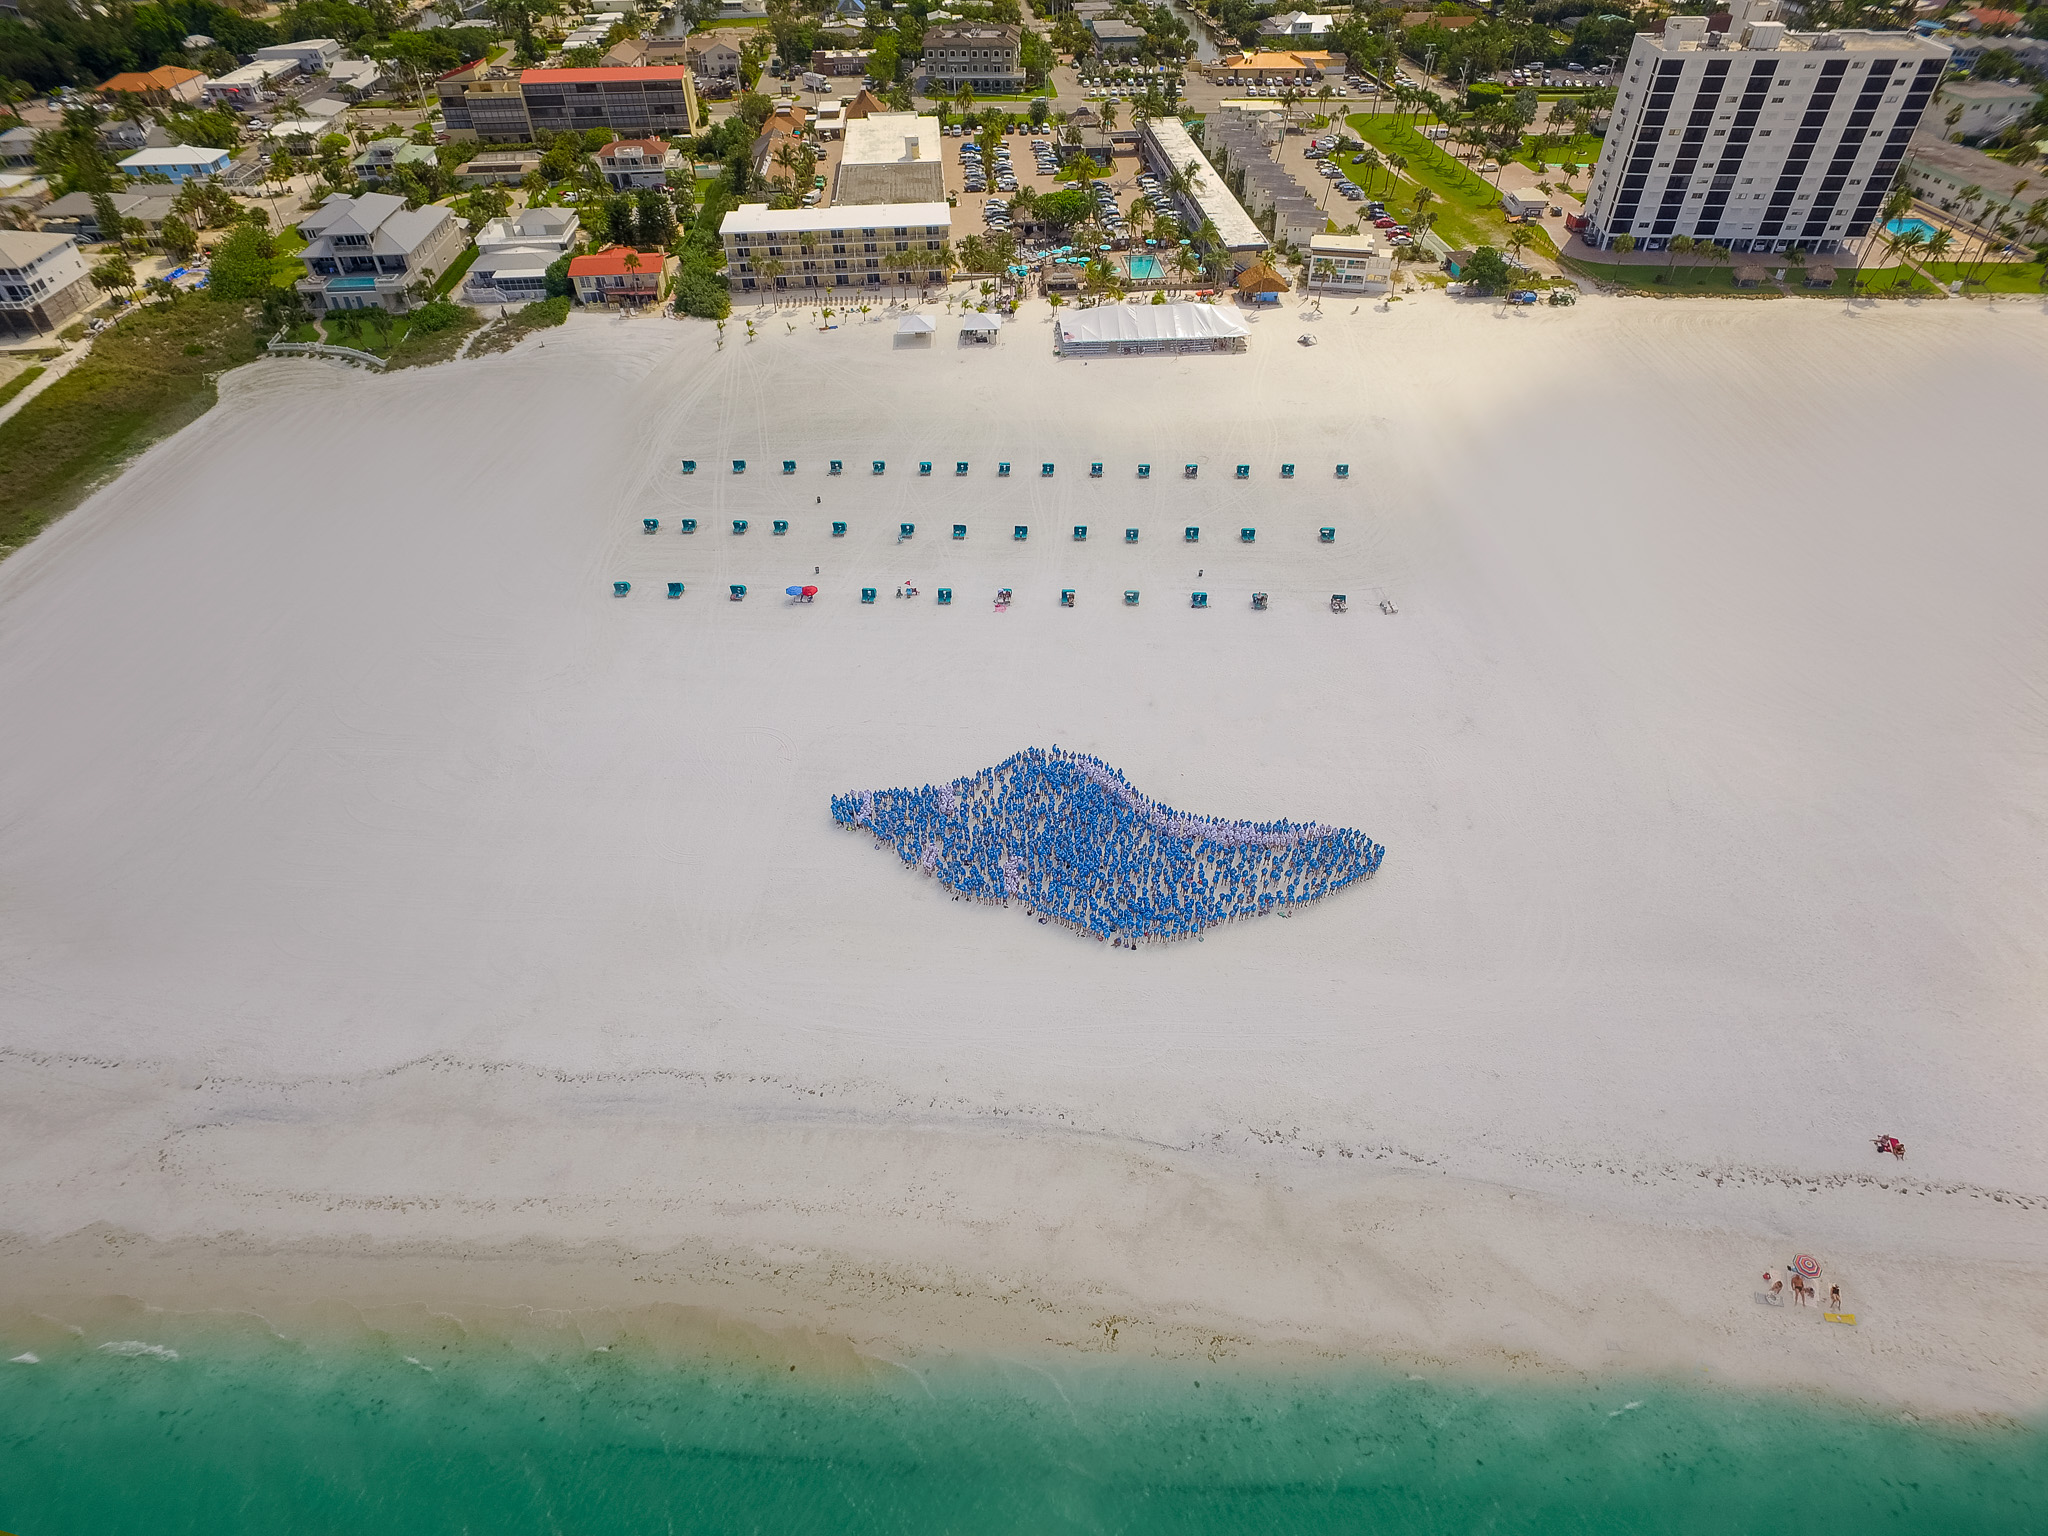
[1067,835]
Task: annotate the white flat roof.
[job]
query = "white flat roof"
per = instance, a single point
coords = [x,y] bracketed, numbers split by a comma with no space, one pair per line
[888,138]
[1149,322]
[760,219]
[1211,196]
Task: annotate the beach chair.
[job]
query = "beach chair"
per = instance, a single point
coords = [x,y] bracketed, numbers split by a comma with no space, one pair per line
[1327,535]
[650,524]
[1080,532]
[736,592]
[1244,471]
[945,596]
[789,466]
[675,589]
[1343,471]
[1258,599]
[839,530]
[1246,535]
[621,588]
[689,466]
[959,530]
[1130,597]
[780,525]
[1188,471]
[689,525]
[1094,471]
[836,467]
[867,594]
[1144,471]
[739,525]
[906,530]
[1004,597]
[1337,602]
[1190,535]
[1021,531]
[879,466]
[1130,535]
[960,468]
[924,466]
[1003,470]
[1198,599]
[1066,597]
[1044,469]
[739,466]
[1286,471]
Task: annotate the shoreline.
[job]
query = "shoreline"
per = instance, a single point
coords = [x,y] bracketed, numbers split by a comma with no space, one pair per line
[1286,1268]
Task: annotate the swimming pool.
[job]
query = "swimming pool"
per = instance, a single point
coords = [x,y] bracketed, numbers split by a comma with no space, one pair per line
[1918,227]
[1146,268]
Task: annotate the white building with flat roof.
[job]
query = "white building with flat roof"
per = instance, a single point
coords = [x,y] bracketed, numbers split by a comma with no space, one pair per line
[1758,138]
[310,54]
[1168,147]
[891,157]
[1349,264]
[896,245]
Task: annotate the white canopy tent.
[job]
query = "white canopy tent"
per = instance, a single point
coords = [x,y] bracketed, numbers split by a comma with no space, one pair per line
[1136,329]
[980,327]
[915,325]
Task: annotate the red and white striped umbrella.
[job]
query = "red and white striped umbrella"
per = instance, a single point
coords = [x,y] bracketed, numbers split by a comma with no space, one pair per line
[1806,1264]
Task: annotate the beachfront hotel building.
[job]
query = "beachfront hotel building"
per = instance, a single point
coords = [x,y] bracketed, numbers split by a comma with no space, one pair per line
[1758,138]
[896,245]
[497,104]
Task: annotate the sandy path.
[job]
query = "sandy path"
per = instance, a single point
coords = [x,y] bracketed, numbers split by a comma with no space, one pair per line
[1706,747]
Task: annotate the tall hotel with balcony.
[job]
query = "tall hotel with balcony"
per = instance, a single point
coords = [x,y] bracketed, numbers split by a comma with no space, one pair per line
[1757,138]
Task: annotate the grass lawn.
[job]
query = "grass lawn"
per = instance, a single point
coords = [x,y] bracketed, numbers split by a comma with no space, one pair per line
[447,281]
[1990,276]
[1719,278]
[18,383]
[285,266]
[143,380]
[1580,149]
[1467,207]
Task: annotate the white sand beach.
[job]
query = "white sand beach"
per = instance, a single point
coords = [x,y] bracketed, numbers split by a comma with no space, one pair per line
[388,913]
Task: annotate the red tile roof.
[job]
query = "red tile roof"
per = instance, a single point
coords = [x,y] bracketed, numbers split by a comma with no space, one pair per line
[602,76]
[611,262]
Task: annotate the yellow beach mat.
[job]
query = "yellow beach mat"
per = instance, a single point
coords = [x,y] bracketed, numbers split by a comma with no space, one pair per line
[1840,1317]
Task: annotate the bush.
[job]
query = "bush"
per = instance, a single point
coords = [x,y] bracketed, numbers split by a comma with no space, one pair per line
[241,266]
[1485,93]
[559,286]
[437,316]
[703,294]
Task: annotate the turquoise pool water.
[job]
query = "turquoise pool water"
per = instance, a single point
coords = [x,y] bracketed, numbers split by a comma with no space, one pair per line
[1146,268]
[251,1434]
[1918,227]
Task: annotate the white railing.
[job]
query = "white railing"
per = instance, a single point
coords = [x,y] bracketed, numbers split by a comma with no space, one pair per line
[323,349]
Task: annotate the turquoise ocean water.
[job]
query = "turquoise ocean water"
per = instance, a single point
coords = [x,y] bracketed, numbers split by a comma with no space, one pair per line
[247,1435]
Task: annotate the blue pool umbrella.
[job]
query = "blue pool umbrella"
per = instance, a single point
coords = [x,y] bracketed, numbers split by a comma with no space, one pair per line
[794,591]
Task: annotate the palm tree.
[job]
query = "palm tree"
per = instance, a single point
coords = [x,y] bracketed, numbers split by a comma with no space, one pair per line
[1369,162]
[1676,246]
[1622,245]
[1423,198]
[1517,241]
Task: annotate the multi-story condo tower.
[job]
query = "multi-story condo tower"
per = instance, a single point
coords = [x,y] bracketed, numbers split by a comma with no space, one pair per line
[1757,138]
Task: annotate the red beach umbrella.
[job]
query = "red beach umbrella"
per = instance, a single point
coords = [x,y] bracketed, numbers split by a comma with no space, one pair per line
[813,592]
[1806,1264]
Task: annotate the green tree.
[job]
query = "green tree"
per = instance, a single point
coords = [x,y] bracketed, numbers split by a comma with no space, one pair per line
[113,274]
[177,237]
[241,265]
[1488,271]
